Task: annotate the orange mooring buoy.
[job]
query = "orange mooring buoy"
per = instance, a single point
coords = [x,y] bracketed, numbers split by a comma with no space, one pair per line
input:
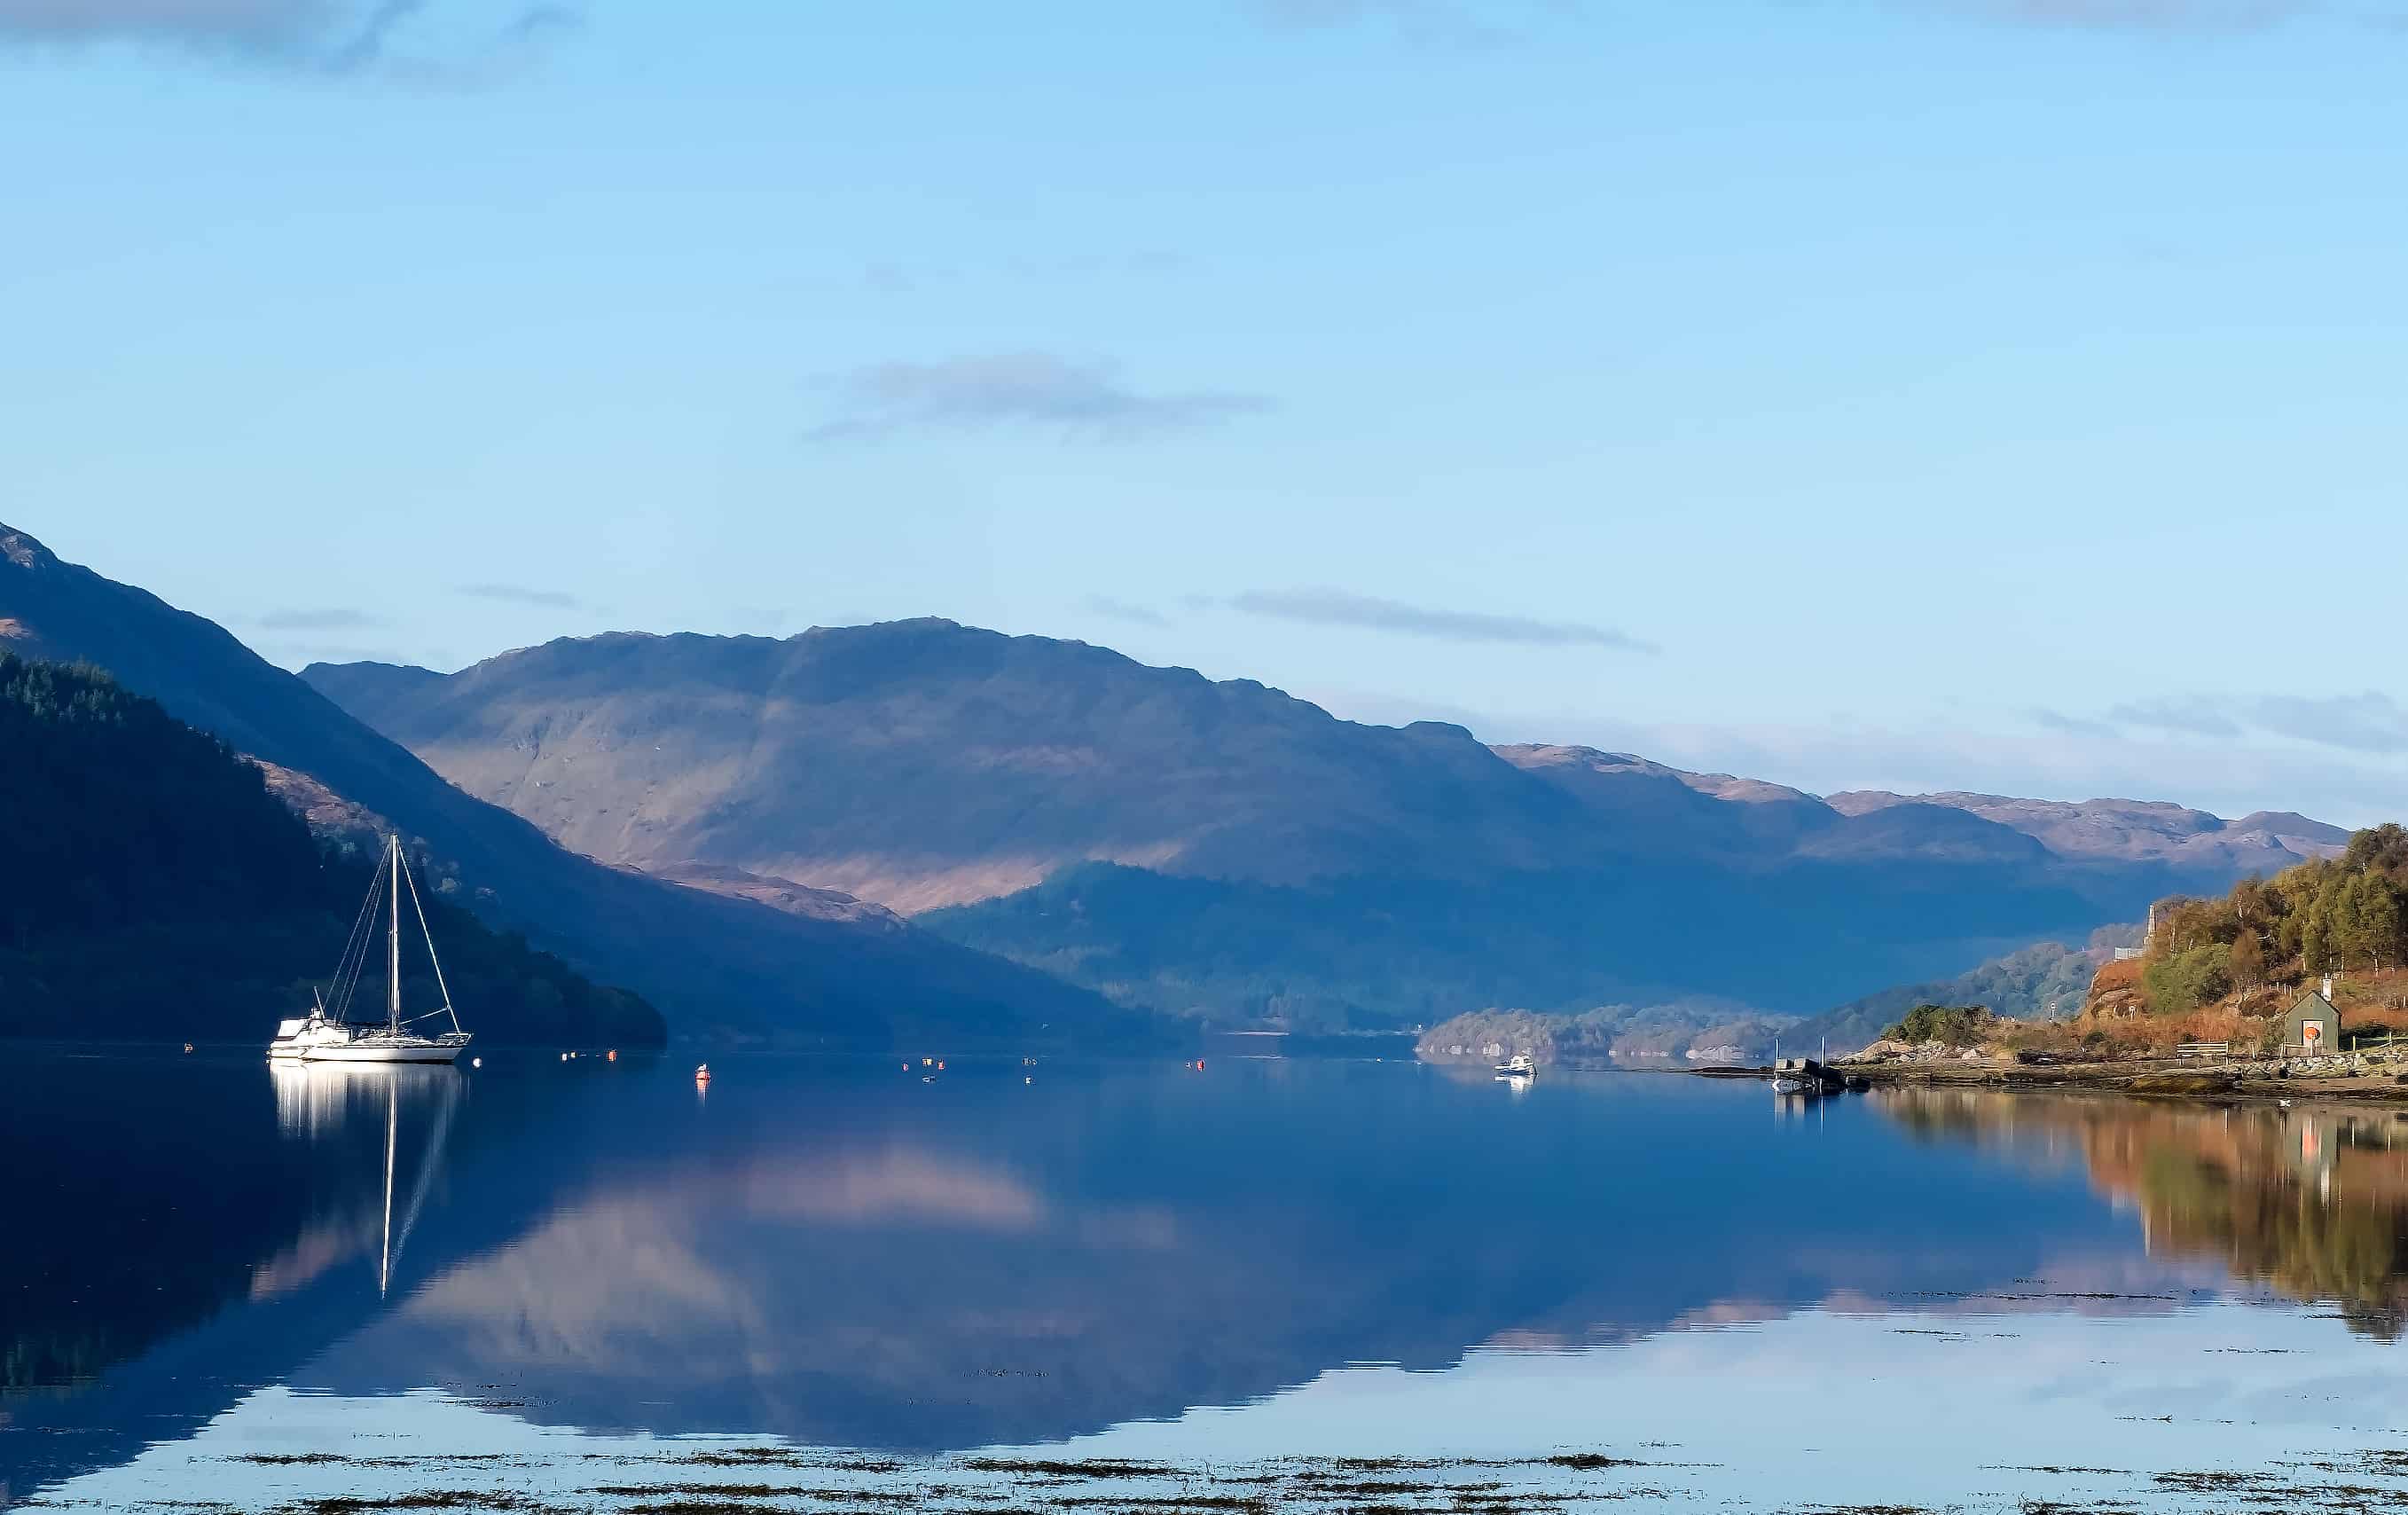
[610,1056]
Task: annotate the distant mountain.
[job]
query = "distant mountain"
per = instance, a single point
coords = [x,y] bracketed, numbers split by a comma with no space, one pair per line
[715,963]
[922,764]
[2132,830]
[1223,850]
[154,888]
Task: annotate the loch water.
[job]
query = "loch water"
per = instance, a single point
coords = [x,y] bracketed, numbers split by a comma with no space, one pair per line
[823,1283]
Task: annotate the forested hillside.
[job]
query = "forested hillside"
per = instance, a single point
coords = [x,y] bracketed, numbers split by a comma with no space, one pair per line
[151,887]
[2044,981]
[2347,916]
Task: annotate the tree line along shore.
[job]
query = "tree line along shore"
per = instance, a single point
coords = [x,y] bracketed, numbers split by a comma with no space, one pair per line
[2214,999]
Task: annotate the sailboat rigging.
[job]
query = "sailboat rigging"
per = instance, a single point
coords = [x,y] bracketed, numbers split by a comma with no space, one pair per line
[328,1035]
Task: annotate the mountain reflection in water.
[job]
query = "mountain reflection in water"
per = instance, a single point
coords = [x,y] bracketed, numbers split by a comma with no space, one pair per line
[839,1255]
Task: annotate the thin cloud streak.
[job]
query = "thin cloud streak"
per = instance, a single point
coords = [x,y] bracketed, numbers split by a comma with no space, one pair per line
[324,37]
[2073,726]
[251,24]
[1105,606]
[2193,716]
[1025,389]
[2368,722]
[2149,15]
[1445,23]
[332,617]
[1338,608]
[2372,722]
[548,599]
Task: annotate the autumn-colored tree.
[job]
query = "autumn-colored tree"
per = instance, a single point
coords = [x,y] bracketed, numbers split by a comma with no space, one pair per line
[2247,959]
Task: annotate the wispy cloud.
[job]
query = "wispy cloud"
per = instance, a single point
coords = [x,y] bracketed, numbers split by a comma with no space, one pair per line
[2149,15]
[2371,722]
[1104,604]
[2074,725]
[252,24]
[549,599]
[1030,389]
[306,618]
[1338,608]
[2193,715]
[1454,22]
[328,36]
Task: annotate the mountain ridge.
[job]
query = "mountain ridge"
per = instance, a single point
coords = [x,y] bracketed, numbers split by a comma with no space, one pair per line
[1226,851]
[450,715]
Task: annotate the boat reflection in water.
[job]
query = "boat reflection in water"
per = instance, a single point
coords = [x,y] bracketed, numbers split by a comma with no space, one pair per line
[323,1102]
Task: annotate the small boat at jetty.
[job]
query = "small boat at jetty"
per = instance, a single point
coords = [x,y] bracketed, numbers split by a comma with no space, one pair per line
[1520,1066]
[328,1035]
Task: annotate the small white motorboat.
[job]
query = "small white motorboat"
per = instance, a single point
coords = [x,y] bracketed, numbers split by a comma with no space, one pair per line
[1520,1066]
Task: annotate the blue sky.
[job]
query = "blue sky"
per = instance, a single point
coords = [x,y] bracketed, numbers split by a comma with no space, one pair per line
[2000,394]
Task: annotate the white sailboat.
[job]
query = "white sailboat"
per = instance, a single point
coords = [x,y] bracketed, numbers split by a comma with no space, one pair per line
[328,1035]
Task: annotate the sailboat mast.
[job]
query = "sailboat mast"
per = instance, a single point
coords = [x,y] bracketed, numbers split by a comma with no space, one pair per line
[392,947]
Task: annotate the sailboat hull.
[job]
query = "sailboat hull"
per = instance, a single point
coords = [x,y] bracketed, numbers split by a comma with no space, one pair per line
[378,1050]
[320,1042]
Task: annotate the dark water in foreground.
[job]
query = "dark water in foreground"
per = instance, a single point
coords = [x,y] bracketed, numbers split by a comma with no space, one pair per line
[832,1285]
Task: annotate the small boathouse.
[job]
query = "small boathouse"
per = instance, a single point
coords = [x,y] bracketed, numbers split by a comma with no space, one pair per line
[2312,1026]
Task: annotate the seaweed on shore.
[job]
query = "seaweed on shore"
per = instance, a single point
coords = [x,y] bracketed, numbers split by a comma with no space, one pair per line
[423,1499]
[1094,1468]
[731,1491]
[1218,1501]
[325,1459]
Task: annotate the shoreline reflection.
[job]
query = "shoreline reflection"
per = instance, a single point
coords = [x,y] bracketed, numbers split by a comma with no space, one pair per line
[2310,1202]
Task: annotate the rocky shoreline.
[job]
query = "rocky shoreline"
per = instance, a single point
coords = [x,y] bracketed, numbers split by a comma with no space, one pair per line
[2379,1076]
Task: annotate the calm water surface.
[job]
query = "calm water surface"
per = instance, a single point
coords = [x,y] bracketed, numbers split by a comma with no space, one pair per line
[828,1284]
